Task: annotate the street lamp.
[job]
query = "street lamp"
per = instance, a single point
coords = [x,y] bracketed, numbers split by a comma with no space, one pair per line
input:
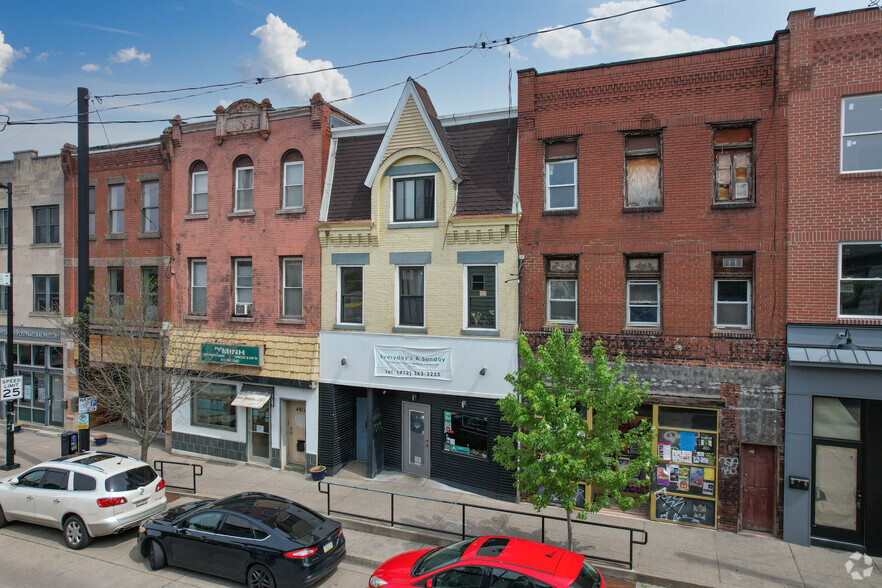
[10,404]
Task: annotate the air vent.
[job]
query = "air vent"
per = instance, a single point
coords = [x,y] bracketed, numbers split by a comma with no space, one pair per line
[733,262]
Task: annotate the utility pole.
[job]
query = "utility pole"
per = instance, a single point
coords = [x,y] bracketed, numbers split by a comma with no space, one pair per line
[10,370]
[82,246]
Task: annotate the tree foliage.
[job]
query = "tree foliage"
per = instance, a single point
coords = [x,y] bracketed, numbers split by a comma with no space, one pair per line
[136,363]
[568,417]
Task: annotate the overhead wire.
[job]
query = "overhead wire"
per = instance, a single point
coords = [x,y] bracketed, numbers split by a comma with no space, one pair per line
[211,88]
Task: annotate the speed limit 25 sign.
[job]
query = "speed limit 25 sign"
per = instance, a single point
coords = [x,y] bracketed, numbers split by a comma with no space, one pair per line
[11,388]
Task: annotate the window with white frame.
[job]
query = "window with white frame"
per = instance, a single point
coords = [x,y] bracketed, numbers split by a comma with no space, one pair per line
[292,286]
[733,277]
[150,207]
[413,199]
[117,202]
[862,133]
[560,175]
[733,167]
[481,296]
[643,170]
[244,201]
[292,181]
[411,296]
[198,188]
[351,298]
[643,276]
[198,286]
[860,280]
[243,282]
[561,279]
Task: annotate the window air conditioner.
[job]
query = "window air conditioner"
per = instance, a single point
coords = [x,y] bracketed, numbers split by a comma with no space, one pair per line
[243,309]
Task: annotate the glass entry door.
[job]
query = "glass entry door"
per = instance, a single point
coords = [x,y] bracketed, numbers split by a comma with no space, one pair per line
[259,434]
[415,438]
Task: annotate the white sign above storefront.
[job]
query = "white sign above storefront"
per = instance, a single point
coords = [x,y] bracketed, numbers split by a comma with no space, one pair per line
[412,362]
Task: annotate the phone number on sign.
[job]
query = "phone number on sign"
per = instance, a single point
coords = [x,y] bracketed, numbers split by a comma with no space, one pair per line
[413,373]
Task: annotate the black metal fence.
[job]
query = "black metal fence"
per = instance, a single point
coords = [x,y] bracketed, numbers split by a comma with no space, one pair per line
[195,469]
[635,536]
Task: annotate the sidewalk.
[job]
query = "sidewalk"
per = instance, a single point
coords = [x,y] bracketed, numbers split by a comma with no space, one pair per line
[675,556]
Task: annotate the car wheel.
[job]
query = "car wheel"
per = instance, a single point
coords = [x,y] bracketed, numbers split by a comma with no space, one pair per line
[260,577]
[3,521]
[75,533]
[157,556]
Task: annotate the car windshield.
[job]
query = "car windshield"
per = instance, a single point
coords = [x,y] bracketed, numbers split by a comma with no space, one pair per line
[588,577]
[130,480]
[293,519]
[296,521]
[438,558]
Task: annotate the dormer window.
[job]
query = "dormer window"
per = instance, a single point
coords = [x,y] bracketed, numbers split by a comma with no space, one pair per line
[413,199]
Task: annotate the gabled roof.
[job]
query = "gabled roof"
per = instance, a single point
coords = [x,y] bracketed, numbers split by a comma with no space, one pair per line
[485,146]
[430,117]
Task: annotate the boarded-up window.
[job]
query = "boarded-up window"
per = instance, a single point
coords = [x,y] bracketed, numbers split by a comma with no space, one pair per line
[643,170]
[733,164]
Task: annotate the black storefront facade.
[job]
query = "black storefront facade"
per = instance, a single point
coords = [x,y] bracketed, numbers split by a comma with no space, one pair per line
[833,437]
[415,425]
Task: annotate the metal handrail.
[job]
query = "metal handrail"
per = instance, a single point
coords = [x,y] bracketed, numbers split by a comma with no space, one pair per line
[324,487]
[195,467]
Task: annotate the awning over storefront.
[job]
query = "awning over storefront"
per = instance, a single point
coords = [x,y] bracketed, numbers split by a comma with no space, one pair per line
[857,357]
[250,399]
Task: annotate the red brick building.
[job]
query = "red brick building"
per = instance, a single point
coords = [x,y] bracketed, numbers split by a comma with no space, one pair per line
[654,201]
[129,229]
[247,192]
[831,80]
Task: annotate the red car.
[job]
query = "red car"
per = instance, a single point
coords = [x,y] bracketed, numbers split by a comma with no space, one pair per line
[488,562]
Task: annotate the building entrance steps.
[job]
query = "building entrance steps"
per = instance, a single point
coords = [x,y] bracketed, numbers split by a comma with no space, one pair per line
[675,555]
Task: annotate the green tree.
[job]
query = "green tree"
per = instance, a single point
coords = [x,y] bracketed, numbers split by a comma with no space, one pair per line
[553,447]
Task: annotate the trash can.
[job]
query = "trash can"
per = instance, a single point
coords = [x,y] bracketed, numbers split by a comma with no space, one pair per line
[69,442]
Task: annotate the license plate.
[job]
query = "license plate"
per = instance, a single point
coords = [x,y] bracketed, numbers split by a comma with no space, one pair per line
[328,546]
[140,502]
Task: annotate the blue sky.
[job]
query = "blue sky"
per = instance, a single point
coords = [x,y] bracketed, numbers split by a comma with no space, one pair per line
[49,48]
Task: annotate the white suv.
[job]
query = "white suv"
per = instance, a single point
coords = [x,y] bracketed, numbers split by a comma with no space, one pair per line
[85,495]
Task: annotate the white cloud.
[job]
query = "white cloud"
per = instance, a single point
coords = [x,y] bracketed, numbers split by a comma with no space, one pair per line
[91,67]
[42,56]
[512,52]
[129,54]
[734,41]
[643,34]
[19,105]
[7,56]
[564,43]
[278,48]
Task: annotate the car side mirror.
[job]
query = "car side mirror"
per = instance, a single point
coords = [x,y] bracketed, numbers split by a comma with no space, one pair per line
[13,481]
[429,583]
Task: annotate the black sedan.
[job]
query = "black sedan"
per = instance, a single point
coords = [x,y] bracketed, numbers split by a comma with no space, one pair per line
[261,539]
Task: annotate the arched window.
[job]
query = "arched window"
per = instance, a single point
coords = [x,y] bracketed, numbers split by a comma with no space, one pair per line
[292,180]
[244,200]
[198,188]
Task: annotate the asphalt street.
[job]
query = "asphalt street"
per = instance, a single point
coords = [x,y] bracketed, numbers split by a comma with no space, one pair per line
[37,556]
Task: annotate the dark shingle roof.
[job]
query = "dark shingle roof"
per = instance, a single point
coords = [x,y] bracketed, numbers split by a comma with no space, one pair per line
[433,117]
[350,198]
[486,152]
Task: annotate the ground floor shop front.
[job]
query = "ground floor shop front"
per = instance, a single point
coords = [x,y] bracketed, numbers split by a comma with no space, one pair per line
[258,421]
[37,356]
[833,459]
[417,404]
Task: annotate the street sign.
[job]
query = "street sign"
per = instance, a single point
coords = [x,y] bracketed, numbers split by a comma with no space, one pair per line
[83,420]
[11,388]
[87,404]
[6,279]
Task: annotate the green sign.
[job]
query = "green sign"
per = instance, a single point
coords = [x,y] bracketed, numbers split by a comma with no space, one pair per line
[232,354]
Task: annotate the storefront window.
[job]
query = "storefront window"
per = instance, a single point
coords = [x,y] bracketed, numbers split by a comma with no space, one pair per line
[56,357]
[837,418]
[465,433]
[212,406]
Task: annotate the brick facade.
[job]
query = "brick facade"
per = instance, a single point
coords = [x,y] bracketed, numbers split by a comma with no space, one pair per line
[683,99]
